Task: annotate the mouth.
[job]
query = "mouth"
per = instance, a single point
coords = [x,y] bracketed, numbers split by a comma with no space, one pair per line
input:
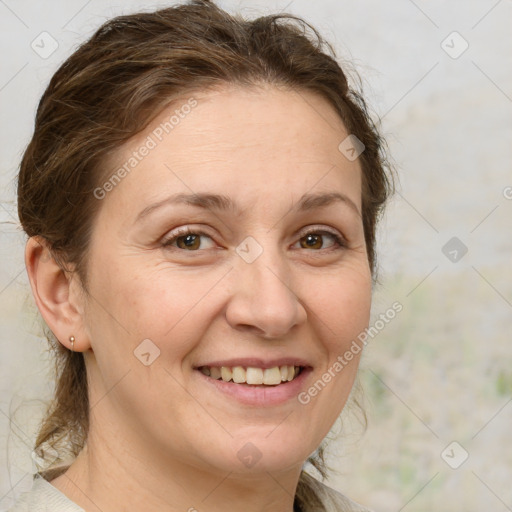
[254,382]
[252,375]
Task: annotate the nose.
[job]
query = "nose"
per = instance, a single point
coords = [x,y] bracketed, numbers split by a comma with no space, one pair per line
[263,299]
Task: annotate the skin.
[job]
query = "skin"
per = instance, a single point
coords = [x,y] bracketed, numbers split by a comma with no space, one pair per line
[160,438]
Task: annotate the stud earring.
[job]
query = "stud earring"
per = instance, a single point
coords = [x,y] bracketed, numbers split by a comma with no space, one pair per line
[72,340]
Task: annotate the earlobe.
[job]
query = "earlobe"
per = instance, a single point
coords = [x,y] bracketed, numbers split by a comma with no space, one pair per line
[55,297]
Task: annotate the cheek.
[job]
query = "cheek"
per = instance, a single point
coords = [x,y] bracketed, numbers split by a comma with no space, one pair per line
[171,307]
[343,313]
[343,303]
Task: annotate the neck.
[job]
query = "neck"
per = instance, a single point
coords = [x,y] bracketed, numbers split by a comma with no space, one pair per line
[108,476]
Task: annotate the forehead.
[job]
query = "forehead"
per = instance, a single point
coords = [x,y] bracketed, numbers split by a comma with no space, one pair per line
[238,141]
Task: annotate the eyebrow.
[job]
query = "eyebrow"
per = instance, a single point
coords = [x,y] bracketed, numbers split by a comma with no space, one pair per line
[221,202]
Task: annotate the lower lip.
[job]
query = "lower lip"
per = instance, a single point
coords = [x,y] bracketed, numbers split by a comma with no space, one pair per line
[261,395]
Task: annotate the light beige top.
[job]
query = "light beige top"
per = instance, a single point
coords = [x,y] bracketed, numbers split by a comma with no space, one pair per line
[44,497]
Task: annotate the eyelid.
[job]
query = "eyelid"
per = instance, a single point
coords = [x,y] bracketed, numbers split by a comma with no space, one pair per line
[323,229]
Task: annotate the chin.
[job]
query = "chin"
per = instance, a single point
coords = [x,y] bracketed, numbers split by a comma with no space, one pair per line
[266,452]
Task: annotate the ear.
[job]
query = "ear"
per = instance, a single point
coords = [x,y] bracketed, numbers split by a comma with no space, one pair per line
[57,295]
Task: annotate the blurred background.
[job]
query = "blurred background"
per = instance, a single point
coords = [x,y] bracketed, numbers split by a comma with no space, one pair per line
[438,377]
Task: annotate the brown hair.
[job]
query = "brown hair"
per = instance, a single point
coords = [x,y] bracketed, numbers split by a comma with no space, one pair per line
[109,90]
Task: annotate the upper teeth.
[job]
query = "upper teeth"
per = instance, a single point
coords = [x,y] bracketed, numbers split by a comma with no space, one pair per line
[252,375]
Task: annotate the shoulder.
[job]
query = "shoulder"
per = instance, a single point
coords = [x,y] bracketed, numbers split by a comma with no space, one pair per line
[334,501]
[43,497]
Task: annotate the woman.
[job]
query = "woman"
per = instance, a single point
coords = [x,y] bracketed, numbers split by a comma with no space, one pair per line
[200,195]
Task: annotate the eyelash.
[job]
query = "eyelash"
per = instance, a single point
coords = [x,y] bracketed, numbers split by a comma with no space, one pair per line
[341,243]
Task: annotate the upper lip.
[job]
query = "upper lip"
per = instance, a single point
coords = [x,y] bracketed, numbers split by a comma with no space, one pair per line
[257,362]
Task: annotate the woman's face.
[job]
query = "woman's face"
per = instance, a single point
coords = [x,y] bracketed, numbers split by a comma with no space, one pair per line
[247,287]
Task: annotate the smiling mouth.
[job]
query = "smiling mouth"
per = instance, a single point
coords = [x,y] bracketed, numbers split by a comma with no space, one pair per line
[252,376]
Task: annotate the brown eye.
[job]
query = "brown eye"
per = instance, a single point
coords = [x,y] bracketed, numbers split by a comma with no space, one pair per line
[190,240]
[314,240]
[186,240]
